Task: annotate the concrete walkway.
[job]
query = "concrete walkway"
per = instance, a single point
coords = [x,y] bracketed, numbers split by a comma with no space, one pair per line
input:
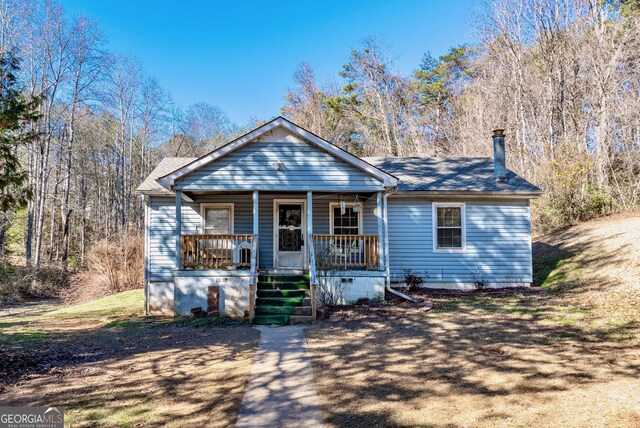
[281,391]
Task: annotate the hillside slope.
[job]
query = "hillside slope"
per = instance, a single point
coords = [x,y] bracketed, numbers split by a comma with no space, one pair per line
[595,265]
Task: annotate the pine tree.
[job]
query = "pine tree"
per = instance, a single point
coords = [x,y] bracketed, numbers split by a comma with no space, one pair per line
[16,113]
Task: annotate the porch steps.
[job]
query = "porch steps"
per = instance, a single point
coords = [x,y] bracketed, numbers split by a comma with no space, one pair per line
[281,293]
[283,299]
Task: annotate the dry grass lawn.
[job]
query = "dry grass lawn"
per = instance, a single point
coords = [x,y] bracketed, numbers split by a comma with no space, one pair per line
[568,357]
[107,366]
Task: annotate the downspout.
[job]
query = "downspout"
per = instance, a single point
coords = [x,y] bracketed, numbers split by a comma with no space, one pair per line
[145,200]
[386,249]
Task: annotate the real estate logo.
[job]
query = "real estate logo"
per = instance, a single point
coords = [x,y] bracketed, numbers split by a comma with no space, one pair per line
[31,417]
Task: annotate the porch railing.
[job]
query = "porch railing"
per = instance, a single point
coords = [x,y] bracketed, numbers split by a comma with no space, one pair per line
[347,251]
[313,280]
[216,251]
[253,279]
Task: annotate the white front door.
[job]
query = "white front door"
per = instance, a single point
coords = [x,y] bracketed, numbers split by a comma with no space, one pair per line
[289,226]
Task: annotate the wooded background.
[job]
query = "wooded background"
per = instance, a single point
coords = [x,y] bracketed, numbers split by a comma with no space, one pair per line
[561,76]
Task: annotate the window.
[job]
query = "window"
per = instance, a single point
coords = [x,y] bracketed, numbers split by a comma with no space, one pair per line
[217,219]
[349,223]
[449,232]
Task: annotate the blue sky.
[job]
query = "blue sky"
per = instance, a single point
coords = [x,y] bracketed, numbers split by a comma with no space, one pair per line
[241,55]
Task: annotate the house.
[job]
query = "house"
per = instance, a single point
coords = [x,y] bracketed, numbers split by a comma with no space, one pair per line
[275,212]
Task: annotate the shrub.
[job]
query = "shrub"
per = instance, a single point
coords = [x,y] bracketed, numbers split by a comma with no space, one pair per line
[17,285]
[412,280]
[112,267]
[479,279]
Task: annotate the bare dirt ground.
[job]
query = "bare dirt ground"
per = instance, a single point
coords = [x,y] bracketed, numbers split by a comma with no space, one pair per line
[566,357]
[108,366]
[594,266]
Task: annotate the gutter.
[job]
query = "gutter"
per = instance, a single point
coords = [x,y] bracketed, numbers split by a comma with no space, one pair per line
[467,195]
[385,196]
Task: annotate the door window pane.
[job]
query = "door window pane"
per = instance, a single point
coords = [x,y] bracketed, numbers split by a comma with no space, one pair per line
[290,227]
[290,240]
[290,215]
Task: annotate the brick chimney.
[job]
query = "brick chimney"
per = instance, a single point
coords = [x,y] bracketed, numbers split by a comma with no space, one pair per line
[499,165]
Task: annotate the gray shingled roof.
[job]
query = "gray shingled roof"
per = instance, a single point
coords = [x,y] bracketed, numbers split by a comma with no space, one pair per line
[166,166]
[416,174]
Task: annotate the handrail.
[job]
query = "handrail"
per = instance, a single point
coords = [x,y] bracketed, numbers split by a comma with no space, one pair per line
[253,279]
[313,280]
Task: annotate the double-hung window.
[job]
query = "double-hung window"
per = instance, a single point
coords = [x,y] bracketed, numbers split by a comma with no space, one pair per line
[449,229]
[217,219]
[347,222]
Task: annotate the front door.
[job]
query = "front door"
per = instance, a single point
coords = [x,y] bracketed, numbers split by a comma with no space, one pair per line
[289,233]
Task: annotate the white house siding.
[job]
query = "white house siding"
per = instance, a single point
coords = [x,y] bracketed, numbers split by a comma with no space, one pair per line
[304,167]
[498,243]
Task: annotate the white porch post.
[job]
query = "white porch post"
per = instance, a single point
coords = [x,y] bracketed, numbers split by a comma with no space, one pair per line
[380,234]
[309,224]
[256,213]
[178,228]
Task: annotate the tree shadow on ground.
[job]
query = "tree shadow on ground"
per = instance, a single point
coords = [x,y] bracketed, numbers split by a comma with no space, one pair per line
[470,362]
[139,374]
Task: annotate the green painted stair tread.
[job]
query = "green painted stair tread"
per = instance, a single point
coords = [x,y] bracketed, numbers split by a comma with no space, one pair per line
[282,293]
[271,319]
[283,285]
[278,278]
[274,310]
[281,297]
[279,301]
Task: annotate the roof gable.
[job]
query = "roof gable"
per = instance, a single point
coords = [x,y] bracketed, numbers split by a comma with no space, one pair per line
[170,180]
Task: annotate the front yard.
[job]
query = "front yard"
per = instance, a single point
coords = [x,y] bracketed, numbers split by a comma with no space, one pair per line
[567,357]
[499,361]
[108,366]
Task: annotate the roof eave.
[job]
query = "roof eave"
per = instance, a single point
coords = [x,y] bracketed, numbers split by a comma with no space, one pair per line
[470,193]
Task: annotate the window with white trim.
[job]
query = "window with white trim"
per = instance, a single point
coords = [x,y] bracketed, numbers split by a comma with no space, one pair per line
[217,219]
[449,231]
[348,222]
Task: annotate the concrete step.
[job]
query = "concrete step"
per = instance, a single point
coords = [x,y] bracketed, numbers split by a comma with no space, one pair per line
[300,319]
[301,310]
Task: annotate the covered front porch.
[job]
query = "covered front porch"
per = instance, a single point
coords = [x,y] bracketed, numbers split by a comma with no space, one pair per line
[284,231]
[234,237]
